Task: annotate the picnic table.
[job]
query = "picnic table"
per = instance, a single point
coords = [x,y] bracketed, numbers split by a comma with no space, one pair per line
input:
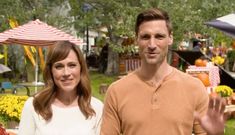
[27,85]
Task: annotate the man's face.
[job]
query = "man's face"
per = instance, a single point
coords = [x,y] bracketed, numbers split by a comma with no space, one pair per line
[153,40]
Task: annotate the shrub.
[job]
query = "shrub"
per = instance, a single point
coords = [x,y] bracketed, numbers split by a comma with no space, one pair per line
[11,107]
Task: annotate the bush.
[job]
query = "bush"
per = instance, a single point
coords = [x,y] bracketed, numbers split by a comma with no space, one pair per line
[11,107]
[231,59]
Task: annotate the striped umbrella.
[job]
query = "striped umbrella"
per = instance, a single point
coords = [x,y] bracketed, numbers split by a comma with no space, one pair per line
[36,33]
[225,23]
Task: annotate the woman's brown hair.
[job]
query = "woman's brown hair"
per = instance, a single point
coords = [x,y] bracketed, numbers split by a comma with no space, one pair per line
[43,100]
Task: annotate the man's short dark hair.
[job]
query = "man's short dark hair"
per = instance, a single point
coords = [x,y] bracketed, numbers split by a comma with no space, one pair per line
[153,14]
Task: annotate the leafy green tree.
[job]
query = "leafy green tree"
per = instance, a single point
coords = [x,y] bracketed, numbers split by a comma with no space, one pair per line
[115,15]
[118,17]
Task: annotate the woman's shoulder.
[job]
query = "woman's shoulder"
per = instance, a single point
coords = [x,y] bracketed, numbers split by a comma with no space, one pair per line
[29,103]
[29,100]
[96,103]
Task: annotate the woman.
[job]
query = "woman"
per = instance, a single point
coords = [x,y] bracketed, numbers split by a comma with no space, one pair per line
[65,105]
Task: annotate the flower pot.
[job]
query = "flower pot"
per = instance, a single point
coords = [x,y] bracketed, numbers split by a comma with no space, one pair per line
[227,100]
[12,125]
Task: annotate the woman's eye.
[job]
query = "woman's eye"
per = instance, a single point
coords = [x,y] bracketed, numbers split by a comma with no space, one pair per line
[72,65]
[59,66]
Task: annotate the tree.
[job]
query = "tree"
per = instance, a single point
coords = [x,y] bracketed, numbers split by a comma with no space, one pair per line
[118,17]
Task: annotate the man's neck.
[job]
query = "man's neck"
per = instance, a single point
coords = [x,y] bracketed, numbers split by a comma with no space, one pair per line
[153,73]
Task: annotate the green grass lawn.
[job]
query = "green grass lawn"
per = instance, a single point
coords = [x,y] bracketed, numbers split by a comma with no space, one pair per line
[96,80]
[230,127]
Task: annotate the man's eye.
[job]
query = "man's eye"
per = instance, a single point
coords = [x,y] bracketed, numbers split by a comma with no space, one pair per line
[159,36]
[144,37]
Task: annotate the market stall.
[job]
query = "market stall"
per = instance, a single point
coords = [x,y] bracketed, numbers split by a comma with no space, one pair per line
[189,57]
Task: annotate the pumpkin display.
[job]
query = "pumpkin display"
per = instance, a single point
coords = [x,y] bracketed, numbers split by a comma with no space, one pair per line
[204,77]
[200,62]
[204,63]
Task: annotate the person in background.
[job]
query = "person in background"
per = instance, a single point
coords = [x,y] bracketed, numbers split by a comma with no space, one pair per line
[157,99]
[65,105]
[103,60]
[197,46]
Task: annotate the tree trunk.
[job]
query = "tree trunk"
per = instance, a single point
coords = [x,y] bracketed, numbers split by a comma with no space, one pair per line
[113,66]
[233,67]
[113,57]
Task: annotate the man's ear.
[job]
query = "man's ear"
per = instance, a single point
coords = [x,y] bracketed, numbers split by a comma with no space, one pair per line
[135,40]
[171,39]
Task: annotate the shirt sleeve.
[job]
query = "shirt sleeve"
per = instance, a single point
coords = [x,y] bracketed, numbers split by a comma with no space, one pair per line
[27,123]
[201,108]
[110,121]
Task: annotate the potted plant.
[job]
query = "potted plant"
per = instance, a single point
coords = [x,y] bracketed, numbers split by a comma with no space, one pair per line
[10,109]
[225,92]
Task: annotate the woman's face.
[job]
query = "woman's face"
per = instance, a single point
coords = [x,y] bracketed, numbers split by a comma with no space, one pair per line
[66,73]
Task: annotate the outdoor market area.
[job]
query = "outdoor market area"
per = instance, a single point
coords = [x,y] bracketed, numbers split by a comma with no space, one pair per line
[208,55]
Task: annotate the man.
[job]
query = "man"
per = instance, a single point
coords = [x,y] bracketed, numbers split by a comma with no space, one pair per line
[157,99]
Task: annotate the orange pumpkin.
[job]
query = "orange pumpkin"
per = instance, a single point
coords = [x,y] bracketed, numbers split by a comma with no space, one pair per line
[204,63]
[213,95]
[204,77]
[200,62]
